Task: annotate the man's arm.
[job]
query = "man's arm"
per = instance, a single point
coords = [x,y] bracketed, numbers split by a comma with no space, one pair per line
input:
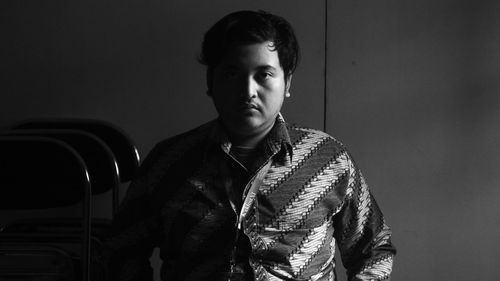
[363,237]
[136,229]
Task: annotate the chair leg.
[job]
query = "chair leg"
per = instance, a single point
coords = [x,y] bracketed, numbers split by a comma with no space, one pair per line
[115,193]
[86,225]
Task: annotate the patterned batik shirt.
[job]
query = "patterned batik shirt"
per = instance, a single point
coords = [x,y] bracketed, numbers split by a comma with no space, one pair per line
[310,198]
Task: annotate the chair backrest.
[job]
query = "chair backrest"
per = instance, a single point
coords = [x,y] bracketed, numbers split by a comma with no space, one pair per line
[100,161]
[119,142]
[35,172]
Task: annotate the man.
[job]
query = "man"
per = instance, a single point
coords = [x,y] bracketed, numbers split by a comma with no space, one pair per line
[246,196]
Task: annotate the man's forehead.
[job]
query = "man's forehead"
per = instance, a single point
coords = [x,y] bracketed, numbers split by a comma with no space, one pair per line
[258,55]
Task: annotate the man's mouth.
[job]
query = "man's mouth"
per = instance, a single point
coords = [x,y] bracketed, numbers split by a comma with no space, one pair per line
[248,106]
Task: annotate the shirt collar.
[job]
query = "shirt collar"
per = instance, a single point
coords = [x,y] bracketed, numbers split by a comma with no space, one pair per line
[277,141]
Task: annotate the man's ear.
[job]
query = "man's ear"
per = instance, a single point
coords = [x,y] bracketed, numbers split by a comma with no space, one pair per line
[288,82]
[209,80]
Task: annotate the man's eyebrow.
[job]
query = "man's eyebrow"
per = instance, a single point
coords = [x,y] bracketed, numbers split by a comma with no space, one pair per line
[267,67]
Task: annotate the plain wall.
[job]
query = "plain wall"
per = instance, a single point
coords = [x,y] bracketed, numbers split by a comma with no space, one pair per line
[412,90]
[414,93]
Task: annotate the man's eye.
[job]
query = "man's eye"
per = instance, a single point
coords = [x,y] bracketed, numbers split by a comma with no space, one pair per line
[264,75]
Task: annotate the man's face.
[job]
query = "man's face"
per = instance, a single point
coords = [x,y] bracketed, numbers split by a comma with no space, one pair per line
[248,89]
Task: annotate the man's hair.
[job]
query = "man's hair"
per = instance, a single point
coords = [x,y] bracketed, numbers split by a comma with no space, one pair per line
[247,27]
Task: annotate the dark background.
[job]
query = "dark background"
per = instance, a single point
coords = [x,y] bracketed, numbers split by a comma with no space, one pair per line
[412,89]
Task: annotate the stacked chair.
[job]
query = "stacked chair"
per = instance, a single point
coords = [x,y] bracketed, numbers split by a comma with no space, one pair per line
[54,163]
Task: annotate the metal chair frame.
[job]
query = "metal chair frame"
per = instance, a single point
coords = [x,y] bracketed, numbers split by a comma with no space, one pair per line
[8,160]
[126,153]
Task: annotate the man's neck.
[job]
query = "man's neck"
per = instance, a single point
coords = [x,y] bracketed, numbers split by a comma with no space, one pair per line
[251,141]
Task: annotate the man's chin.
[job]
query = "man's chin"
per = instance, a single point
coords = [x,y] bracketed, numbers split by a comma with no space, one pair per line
[246,126]
[249,127]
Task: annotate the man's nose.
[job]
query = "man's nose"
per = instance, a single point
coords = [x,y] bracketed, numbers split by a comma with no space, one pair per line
[250,87]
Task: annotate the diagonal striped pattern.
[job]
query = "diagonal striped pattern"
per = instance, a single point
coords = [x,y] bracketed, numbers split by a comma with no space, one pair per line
[330,274]
[309,247]
[383,237]
[295,213]
[308,203]
[301,204]
[273,278]
[302,150]
[363,205]
[328,267]
[379,269]
[362,211]
[252,230]
[260,272]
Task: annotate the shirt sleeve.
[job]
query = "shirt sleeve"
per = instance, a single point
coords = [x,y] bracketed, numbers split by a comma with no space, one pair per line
[136,229]
[363,237]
